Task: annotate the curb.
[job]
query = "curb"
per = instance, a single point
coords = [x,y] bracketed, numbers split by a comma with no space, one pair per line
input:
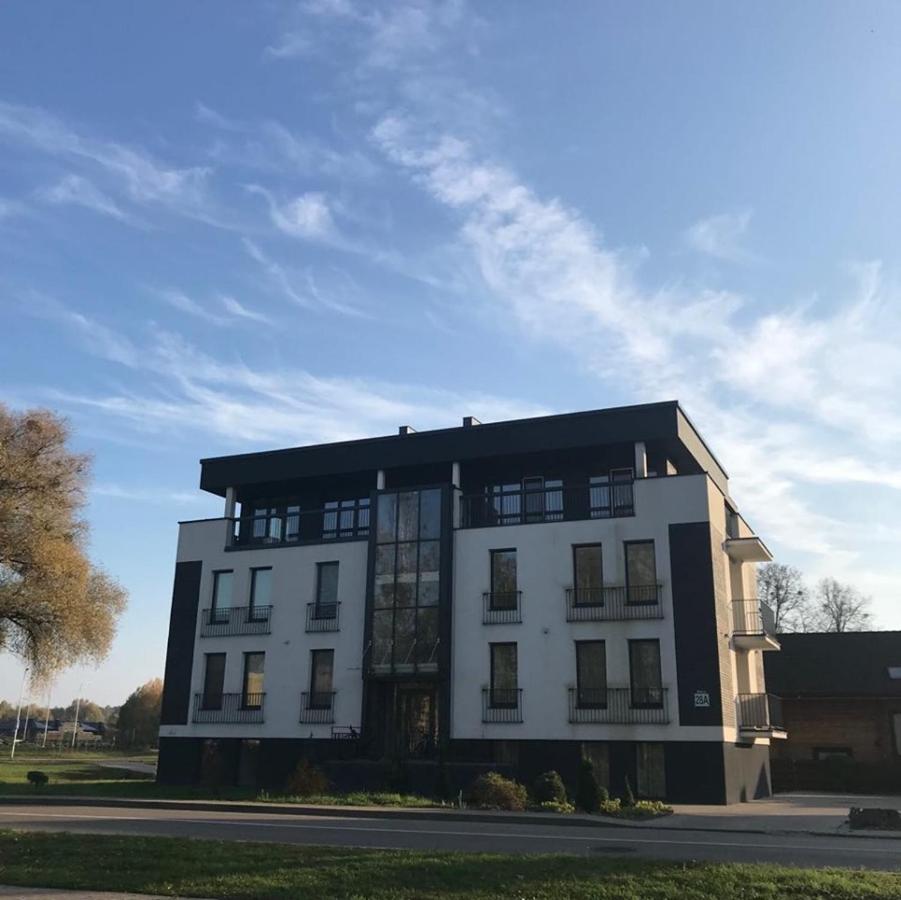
[428,815]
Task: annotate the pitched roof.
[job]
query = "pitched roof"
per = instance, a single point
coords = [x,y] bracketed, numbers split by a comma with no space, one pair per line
[850,664]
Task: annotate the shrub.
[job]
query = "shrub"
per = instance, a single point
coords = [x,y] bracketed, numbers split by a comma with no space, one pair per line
[548,788]
[493,791]
[628,796]
[588,792]
[307,780]
[557,806]
[37,778]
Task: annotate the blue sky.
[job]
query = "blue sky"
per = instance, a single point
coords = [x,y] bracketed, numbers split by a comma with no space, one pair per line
[227,227]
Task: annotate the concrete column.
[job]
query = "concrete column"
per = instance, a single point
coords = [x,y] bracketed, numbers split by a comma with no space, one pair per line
[380,480]
[229,503]
[455,474]
[456,493]
[641,460]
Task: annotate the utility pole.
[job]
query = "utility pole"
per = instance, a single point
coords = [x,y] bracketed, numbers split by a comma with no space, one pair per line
[81,688]
[12,752]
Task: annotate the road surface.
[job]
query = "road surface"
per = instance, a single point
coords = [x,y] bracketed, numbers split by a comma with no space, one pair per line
[342,831]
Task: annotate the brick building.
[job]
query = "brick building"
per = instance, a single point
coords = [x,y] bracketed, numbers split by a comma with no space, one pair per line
[841,704]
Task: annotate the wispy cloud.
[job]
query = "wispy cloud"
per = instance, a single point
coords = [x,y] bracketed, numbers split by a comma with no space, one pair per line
[79,191]
[722,236]
[239,311]
[161,496]
[307,216]
[232,310]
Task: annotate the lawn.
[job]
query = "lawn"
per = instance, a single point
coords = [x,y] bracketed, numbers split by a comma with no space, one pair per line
[221,869]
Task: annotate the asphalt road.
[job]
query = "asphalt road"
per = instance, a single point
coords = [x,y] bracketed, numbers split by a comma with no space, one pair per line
[800,850]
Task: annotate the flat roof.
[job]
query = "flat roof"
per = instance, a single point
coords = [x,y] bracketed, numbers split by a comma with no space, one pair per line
[664,422]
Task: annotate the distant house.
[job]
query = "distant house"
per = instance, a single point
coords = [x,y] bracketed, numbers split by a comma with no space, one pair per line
[841,702]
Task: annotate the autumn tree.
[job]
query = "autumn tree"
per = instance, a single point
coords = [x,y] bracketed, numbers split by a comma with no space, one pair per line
[840,607]
[56,608]
[139,716]
[782,588]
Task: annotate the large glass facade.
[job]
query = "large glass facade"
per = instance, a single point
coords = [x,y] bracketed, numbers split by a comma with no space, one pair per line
[406,582]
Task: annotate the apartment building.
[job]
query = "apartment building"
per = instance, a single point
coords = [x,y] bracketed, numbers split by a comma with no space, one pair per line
[516,595]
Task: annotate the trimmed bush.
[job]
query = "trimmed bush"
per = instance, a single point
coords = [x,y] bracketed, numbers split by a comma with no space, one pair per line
[589,796]
[307,780]
[493,791]
[628,796]
[37,778]
[549,788]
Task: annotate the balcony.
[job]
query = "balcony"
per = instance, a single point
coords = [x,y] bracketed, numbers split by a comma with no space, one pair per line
[501,607]
[523,506]
[753,626]
[348,522]
[317,707]
[619,706]
[614,603]
[233,620]
[322,617]
[760,715]
[229,709]
[502,705]
[747,549]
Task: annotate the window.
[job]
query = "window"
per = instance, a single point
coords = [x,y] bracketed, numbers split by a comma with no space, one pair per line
[267,526]
[252,692]
[260,592]
[213,680]
[588,575]
[644,673]
[894,672]
[322,665]
[503,579]
[650,771]
[504,681]
[222,595]
[543,499]
[821,753]
[345,518]
[641,572]
[591,674]
[611,494]
[292,522]
[326,590]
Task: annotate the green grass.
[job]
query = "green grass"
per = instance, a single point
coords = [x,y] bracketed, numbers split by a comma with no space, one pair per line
[222,869]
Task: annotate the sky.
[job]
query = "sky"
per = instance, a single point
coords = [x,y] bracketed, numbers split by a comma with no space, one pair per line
[227,227]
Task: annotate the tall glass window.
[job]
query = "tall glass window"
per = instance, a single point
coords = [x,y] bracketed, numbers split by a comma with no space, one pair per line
[504,675]
[326,590]
[252,697]
[222,595]
[641,572]
[591,674]
[588,575]
[260,591]
[322,667]
[645,675]
[503,579]
[406,582]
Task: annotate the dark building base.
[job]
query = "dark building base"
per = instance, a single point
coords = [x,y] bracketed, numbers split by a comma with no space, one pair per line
[693,772]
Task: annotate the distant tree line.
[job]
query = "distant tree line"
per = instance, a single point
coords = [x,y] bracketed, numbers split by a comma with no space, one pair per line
[829,606]
[136,722]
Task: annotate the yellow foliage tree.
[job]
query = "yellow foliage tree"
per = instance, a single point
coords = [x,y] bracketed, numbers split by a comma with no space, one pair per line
[56,609]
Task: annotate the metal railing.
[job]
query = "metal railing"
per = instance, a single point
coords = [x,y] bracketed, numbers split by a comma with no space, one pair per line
[501,607]
[231,620]
[322,616]
[317,707]
[229,709]
[619,705]
[502,705]
[300,527]
[760,712]
[751,617]
[548,504]
[614,603]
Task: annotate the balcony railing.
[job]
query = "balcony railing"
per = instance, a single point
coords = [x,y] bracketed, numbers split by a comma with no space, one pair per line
[619,705]
[548,504]
[613,603]
[752,617]
[316,526]
[502,705]
[317,707]
[760,712]
[231,620]
[229,709]
[322,616]
[501,607]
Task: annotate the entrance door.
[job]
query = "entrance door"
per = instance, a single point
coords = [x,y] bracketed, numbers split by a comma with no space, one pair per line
[417,722]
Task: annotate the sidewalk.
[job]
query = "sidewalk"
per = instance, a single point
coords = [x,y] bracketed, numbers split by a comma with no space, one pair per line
[809,814]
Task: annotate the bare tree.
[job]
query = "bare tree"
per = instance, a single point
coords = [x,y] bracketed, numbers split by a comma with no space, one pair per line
[782,588]
[840,607]
[55,607]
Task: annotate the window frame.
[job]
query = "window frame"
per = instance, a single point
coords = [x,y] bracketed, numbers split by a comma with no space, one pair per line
[214,596]
[595,704]
[251,603]
[244,692]
[492,689]
[575,555]
[205,692]
[648,704]
[315,654]
[626,580]
[326,610]
[514,594]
